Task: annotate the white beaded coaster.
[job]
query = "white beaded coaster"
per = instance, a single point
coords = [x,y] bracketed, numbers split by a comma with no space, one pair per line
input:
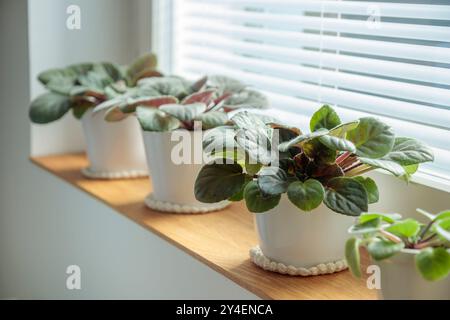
[129,174]
[262,261]
[177,208]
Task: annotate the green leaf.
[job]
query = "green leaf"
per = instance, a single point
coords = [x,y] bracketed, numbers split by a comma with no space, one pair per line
[352,256]
[240,194]
[346,196]
[129,104]
[388,217]
[442,228]
[247,99]
[442,215]
[225,84]
[246,120]
[196,97]
[216,182]
[184,112]
[256,201]
[67,75]
[49,107]
[273,181]
[433,263]
[252,168]
[391,166]
[409,171]
[253,136]
[156,120]
[371,188]
[338,144]
[341,130]
[140,66]
[325,118]
[407,228]
[372,225]
[372,138]
[80,108]
[318,152]
[220,139]
[113,71]
[382,249]
[283,147]
[408,151]
[164,86]
[212,119]
[306,195]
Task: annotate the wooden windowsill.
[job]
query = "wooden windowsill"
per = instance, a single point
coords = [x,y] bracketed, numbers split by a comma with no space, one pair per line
[220,239]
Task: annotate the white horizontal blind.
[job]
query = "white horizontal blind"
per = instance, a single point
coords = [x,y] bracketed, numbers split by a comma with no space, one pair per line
[390,60]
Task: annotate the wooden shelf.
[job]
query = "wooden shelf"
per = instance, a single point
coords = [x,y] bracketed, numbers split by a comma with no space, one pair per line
[221,239]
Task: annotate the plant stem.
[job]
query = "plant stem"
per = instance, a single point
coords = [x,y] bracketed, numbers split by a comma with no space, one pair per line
[424,231]
[358,170]
[342,157]
[429,238]
[427,244]
[352,166]
[391,236]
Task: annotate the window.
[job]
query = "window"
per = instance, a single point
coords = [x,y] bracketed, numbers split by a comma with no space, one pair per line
[390,60]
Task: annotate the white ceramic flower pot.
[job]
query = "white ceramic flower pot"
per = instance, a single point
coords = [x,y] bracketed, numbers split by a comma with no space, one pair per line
[114,149]
[401,280]
[302,239]
[173,179]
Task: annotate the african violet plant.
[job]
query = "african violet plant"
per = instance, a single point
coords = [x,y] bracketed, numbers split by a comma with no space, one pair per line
[83,86]
[321,166]
[169,103]
[385,235]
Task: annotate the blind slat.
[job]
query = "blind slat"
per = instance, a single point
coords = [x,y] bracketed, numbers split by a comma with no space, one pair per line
[328,77]
[417,11]
[385,29]
[296,39]
[331,60]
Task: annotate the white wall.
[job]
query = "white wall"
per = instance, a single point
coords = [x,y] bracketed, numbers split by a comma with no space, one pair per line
[45,224]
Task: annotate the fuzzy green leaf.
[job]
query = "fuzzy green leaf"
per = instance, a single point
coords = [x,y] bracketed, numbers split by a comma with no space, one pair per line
[382,249]
[49,107]
[433,263]
[346,196]
[325,118]
[352,256]
[407,228]
[372,138]
[371,188]
[273,181]
[391,166]
[338,144]
[256,201]
[216,182]
[306,195]
[156,120]
[408,151]
[183,112]
[212,119]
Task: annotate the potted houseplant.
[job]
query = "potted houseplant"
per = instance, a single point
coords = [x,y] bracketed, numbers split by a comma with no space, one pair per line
[283,174]
[114,150]
[414,257]
[171,109]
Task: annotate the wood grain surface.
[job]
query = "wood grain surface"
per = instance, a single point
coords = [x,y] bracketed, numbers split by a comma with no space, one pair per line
[220,239]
